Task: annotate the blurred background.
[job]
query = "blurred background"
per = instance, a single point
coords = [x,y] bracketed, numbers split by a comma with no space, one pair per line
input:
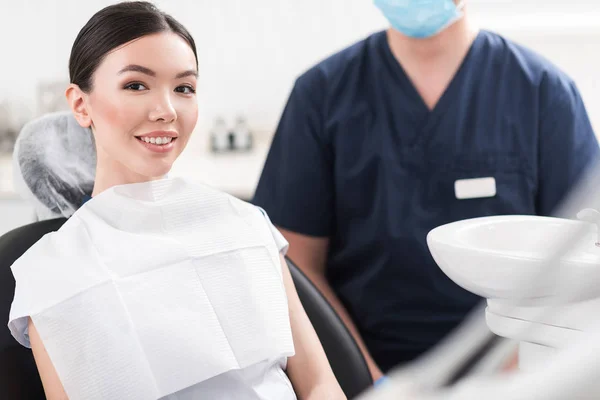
[250,53]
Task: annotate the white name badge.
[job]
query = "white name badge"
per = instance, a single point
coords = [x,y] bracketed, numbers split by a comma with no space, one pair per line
[475,188]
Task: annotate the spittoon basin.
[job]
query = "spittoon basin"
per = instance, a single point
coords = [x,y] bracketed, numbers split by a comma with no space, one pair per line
[507,257]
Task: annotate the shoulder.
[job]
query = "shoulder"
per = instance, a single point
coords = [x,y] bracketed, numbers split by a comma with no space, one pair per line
[255,216]
[337,69]
[527,64]
[251,213]
[53,257]
[280,241]
[55,246]
[45,272]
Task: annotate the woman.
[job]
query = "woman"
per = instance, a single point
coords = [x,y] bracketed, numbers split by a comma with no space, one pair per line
[156,288]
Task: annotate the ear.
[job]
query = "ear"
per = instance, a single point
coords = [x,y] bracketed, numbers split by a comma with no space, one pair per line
[77,100]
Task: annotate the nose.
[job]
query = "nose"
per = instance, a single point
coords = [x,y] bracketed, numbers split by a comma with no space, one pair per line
[163,110]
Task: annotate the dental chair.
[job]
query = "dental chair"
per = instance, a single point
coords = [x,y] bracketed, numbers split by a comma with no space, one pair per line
[345,358]
[19,377]
[56,185]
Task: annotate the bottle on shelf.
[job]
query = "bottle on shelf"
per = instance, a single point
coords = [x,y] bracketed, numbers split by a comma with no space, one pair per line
[242,137]
[219,136]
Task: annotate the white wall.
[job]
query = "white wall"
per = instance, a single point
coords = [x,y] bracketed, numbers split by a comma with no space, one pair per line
[251,51]
[14,213]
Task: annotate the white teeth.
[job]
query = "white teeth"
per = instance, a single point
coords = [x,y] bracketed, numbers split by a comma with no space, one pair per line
[158,140]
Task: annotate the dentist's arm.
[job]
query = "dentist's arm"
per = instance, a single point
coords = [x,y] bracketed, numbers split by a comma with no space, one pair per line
[308,370]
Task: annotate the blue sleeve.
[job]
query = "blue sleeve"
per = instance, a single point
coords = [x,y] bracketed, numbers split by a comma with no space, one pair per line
[568,145]
[295,187]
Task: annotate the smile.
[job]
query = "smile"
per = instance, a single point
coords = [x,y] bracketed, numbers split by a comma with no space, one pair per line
[156,140]
[163,144]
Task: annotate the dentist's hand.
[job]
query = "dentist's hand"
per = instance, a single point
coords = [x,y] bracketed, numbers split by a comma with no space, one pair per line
[512,364]
[380,381]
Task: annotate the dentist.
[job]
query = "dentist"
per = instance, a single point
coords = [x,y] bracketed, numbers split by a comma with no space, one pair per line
[428,122]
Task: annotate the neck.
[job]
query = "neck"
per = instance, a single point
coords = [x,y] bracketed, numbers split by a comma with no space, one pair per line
[110,172]
[451,43]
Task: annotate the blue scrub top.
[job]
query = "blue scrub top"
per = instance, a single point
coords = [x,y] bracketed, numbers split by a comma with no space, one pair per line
[358,157]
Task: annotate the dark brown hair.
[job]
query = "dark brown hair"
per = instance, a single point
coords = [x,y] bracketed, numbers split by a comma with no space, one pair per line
[112,27]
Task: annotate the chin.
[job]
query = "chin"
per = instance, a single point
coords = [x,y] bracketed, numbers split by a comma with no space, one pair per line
[159,174]
[154,173]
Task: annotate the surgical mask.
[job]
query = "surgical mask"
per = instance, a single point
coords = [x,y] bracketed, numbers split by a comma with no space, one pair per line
[420,18]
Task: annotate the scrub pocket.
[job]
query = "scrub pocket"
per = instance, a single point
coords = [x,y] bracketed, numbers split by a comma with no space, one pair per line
[515,188]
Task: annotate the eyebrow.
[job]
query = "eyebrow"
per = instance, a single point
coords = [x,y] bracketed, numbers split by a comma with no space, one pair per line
[148,71]
[189,72]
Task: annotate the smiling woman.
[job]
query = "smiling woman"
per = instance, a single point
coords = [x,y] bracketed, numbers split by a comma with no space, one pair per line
[156,287]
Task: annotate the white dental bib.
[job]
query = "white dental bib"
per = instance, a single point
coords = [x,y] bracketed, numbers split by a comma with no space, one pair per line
[157,288]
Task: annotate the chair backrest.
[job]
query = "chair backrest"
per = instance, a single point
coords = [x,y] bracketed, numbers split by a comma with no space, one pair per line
[344,355]
[19,378]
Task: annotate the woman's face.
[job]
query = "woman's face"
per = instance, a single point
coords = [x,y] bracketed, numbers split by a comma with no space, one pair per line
[142,106]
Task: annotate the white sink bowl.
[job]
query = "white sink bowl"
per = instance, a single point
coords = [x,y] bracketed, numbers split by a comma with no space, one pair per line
[506,257]
[544,305]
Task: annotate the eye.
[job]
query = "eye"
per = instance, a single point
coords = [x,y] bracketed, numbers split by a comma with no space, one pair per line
[135,86]
[185,89]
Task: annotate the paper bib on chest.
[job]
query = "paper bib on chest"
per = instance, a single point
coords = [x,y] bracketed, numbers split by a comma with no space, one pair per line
[152,288]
